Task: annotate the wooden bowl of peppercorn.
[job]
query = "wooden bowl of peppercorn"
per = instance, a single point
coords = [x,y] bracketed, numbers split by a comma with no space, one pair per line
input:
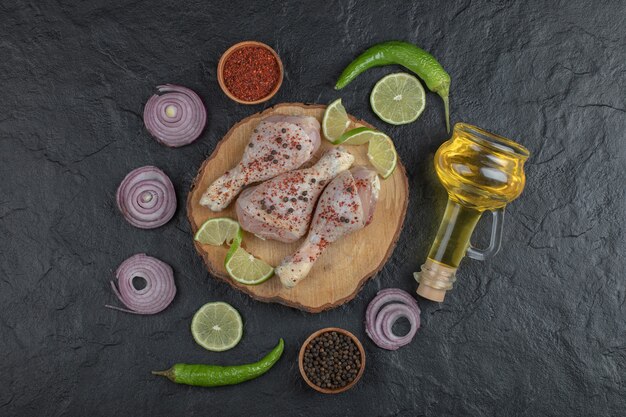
[331,360]
[250,72]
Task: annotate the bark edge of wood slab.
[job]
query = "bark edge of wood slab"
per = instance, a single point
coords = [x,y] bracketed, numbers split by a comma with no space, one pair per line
[346,265]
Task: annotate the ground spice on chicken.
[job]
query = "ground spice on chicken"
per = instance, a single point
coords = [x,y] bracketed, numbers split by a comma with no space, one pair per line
[251,73]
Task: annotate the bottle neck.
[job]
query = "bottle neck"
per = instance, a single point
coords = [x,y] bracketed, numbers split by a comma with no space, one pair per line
[438,273]
[453,236]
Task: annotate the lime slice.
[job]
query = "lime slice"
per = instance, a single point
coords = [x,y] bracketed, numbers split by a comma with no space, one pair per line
[398,98]
[217,327]
[358,136]
[382,155]
[235,244]
[217,231]
[335,120]
[245,268]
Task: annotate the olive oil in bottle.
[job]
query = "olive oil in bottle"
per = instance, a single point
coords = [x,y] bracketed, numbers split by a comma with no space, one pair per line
[481,171]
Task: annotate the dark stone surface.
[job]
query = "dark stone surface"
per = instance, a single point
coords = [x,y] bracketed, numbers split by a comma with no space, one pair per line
[538,331]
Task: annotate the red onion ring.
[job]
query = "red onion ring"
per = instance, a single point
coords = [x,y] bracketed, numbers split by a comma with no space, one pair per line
[155,296]
[175,117]
[384,310]
[146,198]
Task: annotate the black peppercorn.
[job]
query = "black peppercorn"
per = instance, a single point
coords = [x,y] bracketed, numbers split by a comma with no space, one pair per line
[340,363]
[298,147]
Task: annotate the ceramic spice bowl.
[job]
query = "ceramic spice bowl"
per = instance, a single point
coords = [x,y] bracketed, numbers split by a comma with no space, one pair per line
[333,334]
[251,72]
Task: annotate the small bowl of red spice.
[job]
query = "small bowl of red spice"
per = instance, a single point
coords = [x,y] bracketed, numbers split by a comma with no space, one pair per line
[250,72]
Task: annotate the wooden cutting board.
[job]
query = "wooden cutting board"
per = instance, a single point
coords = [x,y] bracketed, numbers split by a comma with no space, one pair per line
[345,266]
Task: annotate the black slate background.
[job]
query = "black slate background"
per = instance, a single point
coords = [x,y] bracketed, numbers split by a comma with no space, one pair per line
[538,331]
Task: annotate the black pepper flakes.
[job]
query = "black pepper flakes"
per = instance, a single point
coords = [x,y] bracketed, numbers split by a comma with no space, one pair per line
[279,139]
[298,147]
[283,130]
[250,145]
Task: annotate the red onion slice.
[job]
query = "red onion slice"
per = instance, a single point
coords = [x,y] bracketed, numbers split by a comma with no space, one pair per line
[146,198]
[175,117]
[155,296]
[387,317]
[384,310]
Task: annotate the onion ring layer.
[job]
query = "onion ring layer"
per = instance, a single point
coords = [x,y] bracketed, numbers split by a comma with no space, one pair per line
[155,296]
[384,310]
[175,117]
[146,198]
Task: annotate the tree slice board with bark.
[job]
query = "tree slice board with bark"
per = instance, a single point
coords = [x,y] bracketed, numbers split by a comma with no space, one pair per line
[346,265]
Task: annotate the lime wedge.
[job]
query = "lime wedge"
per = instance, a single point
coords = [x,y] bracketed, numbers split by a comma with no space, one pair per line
[245,268]
[217,231]
[335,120]
[358,136]
[217,327]
[398,98]
[382,155]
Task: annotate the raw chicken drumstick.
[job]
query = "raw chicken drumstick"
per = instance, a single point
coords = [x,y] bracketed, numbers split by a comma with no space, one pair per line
[281,208]
[278,144]
[346,205]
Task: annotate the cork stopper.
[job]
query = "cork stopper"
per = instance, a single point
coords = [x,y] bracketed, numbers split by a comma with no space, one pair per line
[435,280]
[431,293]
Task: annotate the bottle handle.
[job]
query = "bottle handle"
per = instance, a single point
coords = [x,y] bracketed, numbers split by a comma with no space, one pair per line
[495,241]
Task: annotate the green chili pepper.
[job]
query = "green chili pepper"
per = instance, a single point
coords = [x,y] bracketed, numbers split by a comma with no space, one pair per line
[215,376]
[409,56]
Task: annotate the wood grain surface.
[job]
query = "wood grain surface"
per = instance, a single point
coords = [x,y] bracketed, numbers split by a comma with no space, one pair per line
[345,266]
